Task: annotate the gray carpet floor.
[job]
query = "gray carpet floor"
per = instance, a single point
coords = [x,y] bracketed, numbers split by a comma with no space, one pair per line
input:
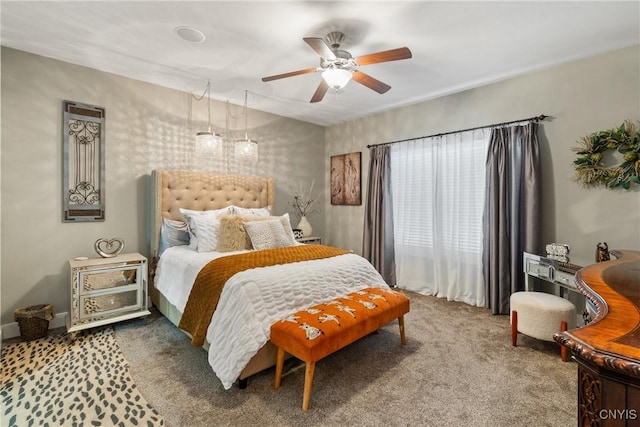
[457,369]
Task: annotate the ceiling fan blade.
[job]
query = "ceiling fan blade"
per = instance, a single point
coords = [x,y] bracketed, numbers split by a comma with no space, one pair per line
[291,74]
[370,82]
[322,89]
[387,55]
[320,46]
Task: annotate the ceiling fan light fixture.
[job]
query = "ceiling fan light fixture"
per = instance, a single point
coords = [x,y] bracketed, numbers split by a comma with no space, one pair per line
[337,78]
[339,66]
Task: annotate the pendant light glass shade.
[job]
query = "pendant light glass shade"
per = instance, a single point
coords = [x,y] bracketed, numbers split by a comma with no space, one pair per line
[246,151]
[337,78]
[209,143]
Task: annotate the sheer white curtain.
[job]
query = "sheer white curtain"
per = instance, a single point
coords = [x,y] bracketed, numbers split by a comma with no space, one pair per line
[438,187]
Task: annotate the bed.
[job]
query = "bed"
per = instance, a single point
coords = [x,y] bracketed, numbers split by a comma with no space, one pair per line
[271,292]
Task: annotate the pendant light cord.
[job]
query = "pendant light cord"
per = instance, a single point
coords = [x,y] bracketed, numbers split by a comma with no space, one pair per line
[207,91]
[246,115]
[209,105]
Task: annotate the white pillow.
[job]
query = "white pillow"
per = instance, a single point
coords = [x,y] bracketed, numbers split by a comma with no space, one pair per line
[267,234]
[266,211]
[204,227]
[286,223]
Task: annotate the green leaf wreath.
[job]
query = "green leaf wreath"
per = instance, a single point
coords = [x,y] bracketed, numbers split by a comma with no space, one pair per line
[590,170]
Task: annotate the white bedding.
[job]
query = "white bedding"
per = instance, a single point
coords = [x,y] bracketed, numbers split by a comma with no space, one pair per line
[253,299]
[177,270]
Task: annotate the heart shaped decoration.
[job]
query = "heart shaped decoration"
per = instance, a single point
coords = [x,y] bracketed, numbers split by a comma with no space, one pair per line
[108,248]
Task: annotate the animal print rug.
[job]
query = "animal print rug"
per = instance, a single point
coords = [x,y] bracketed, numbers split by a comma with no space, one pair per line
[74,379]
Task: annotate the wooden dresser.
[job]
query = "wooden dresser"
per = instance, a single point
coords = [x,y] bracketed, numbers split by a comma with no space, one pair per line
[608,349]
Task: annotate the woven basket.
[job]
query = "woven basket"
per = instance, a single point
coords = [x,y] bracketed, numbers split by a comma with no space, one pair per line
[34,321]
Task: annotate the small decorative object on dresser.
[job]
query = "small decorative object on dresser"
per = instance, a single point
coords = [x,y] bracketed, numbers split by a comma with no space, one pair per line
[303,202]
[297,233]
[107,290]
[305,226]
[602,252]
[558,251]
[108,248]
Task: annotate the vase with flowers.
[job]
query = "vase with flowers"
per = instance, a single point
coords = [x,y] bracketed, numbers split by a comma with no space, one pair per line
[304,203]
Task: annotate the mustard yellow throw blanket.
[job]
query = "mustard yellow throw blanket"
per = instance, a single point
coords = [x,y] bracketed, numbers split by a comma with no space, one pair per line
[207,288]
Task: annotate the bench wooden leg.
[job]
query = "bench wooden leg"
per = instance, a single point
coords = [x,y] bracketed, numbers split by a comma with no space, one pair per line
[403,338]
[514,327]
[563,350]
[308,381]
[279,364]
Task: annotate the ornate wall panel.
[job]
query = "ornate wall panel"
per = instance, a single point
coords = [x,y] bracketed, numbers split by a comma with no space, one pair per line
[83,162]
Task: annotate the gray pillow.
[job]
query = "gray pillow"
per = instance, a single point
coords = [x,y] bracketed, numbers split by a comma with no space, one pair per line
[172,233]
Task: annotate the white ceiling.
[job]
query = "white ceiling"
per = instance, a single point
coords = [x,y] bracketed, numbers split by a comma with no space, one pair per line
[455,45]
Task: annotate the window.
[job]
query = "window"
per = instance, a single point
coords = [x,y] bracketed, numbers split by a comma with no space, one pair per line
[438,188]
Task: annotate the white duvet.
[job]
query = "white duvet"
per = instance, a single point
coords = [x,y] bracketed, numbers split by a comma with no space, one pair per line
[253,299]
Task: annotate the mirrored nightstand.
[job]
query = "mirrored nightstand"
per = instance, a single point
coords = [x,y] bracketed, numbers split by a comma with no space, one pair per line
[107,290]
[311,240]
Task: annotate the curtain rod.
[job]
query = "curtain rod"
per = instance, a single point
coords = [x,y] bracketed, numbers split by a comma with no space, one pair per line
[530,119]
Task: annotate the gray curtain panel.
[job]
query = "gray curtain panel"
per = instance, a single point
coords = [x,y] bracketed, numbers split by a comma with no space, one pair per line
[377,243]
[511,220]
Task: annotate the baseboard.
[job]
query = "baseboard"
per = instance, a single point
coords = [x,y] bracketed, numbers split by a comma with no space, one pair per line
[11,330]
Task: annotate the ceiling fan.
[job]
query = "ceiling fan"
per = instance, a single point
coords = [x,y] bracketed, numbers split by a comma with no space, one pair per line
[338,66]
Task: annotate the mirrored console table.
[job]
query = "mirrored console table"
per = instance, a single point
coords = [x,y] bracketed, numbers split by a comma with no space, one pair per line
[547,269]
[559,273]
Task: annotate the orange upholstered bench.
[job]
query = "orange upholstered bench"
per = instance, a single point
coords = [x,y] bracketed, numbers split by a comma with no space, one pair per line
[320,330]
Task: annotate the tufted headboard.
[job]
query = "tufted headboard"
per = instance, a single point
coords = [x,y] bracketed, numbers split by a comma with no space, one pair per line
[173,190]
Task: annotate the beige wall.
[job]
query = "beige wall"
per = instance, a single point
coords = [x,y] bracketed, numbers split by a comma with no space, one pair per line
[582,97]
[146,128]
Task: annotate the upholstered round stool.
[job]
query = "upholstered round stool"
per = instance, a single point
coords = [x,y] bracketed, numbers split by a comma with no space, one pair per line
[540,315]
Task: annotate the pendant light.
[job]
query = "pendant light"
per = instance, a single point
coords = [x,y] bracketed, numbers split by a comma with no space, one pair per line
[208,143]
[246,150]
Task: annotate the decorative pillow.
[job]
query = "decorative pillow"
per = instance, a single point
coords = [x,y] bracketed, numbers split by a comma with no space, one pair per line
[172,233]
[267,234]
[204,227]
[286,223]
[186,214]
[233,236]
[266,211]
